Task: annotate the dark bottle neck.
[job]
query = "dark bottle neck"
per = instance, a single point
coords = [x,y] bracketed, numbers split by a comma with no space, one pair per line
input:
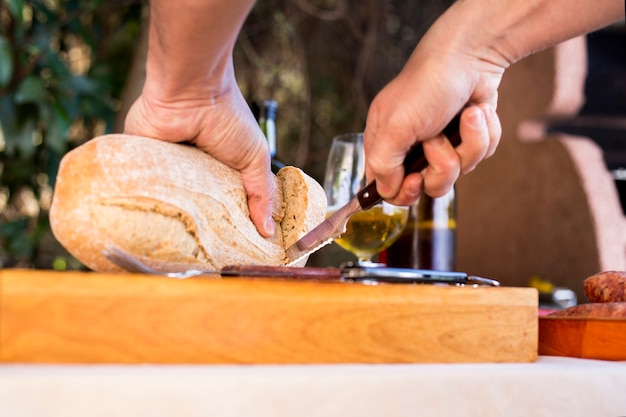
[266,117]
[265,113]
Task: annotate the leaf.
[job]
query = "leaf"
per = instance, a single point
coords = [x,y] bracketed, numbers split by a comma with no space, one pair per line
[16,236]
[56,132]
[18,134]
[53,161]
[16,7]
[54,63]
[30,90]
[8,117]
[82,85]
[17,173]
[6,62]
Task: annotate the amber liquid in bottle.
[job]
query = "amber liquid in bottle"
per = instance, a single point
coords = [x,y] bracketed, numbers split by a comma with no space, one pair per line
[429,239]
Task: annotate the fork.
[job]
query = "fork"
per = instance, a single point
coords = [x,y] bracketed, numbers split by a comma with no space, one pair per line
[132,264]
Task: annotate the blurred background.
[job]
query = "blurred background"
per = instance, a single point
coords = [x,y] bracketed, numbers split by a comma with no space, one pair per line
[63,67]
[70,69]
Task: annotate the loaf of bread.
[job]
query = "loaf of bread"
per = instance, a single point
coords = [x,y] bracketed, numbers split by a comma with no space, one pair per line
[606,287]
[593,311]
[173,206]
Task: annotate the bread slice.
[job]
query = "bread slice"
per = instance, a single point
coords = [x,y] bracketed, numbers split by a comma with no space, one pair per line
[173,206]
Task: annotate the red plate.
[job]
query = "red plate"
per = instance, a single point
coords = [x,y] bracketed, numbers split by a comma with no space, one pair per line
[600,338]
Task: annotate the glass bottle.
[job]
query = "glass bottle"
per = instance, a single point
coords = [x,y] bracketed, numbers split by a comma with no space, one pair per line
[429,238]
[265,113]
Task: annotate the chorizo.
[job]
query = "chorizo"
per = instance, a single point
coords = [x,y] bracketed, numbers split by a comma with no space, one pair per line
[606,287]
[592,311]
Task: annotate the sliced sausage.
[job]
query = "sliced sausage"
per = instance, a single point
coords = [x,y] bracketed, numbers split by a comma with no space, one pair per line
[606,287]
[592,311]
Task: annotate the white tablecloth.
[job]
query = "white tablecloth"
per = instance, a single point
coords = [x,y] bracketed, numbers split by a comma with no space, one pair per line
[551,387]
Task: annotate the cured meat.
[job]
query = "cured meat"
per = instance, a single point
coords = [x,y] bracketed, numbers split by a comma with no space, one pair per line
[592,311]
[606,287]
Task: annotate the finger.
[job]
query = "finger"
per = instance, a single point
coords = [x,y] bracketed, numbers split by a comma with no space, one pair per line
[259,185]
[444,166]
[475,138]
[136,120]
[494,126]
[243,146]
[410,190]
[255,166]
[385,152]
[388,179]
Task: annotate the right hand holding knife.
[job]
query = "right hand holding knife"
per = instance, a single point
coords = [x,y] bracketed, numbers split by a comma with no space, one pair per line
[368,197]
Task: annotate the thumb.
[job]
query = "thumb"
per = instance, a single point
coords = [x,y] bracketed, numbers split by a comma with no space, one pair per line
[258,182]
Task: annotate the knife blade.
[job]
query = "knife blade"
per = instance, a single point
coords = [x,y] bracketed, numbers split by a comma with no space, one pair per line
[335,225]
[347,272]
[350,272]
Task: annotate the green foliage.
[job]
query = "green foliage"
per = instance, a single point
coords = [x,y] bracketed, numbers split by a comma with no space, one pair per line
[63,64]
[6,63]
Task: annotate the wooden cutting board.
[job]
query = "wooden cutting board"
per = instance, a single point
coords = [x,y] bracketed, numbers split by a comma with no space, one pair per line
[583,338]
[83,317]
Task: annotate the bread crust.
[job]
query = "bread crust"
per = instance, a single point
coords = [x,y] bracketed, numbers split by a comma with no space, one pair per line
[592,311]
[302,191]
[606,287]
[171,205]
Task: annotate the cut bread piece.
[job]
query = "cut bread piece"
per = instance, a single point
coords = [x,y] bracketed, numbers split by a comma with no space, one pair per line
[301,193]
[173,206]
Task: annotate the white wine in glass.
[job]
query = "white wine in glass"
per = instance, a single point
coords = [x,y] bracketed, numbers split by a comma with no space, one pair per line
[370,231]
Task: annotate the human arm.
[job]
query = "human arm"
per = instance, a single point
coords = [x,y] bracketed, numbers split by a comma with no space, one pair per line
[191,95]
[460,62]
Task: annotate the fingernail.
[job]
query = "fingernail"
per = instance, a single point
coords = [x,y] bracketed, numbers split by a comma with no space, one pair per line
[415,192]
[476,119]
[383,189]
[270,227]
[437,141]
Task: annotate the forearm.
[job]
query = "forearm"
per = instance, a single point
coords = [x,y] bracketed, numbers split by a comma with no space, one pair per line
[509,30]
[191,45]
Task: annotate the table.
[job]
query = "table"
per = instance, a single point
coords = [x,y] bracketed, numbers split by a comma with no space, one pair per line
[553,386]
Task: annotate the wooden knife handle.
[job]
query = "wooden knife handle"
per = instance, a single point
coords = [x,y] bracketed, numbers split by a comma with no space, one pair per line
[415,161]
[267,271]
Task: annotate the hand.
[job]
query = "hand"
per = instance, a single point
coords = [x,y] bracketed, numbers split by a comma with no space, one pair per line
[459,63]
[191,95]
[433,87]
[221,125]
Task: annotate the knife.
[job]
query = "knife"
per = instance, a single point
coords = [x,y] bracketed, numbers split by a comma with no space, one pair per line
[348,271]
[351,272]
[335,225]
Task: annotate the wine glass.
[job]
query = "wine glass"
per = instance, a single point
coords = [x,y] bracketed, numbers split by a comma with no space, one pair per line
[370,231]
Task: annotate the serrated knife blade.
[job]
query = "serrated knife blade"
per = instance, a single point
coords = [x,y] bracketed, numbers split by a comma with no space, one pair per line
[324,233]
[335,225]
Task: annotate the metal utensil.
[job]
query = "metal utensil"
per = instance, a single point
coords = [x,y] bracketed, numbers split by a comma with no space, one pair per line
[347,272]
[132,264]
[335,225]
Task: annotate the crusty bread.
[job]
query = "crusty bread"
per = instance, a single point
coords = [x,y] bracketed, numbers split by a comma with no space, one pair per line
[172,206]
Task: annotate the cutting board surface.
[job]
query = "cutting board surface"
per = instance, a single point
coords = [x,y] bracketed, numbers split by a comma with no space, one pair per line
[583,338]
[83,317]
